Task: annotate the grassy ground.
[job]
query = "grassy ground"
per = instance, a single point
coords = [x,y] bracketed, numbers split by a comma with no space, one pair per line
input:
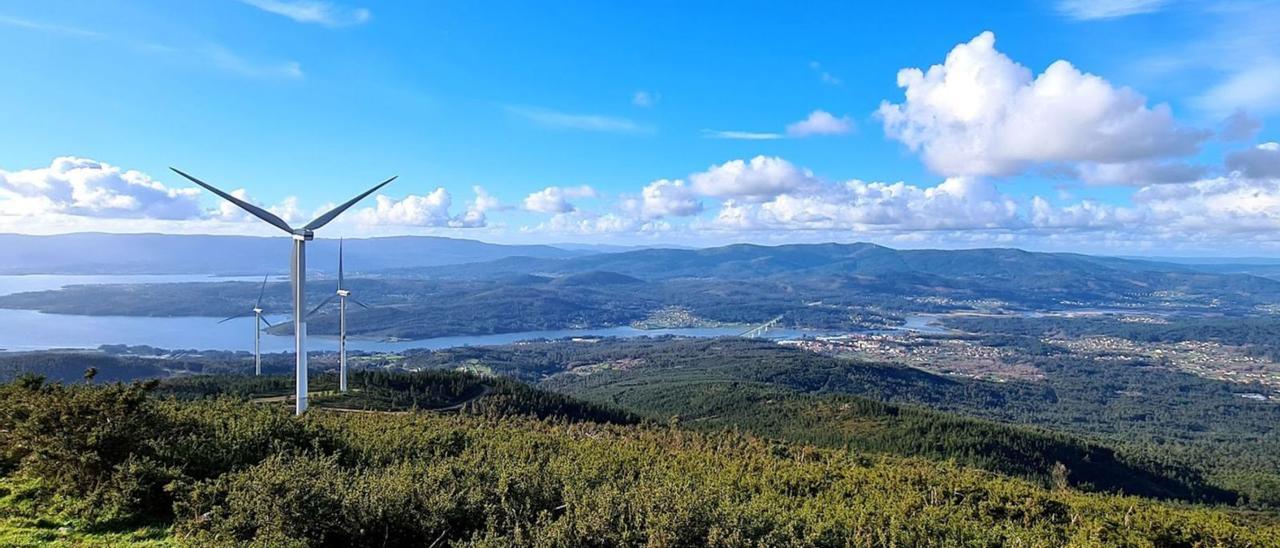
[23,523]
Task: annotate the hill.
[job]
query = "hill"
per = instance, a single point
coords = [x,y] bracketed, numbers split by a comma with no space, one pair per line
[1008,274]
[823,287]
[100,253]
[218,472]
[1196,432]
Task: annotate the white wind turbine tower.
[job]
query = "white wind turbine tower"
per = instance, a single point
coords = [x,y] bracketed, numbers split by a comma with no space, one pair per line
[297,271]
[342,294]
[257,328]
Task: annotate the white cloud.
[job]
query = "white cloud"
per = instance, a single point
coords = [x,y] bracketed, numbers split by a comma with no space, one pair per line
[476,213]
[665,198]
[740,135]
[644,99]
[584,223]
[1107,9]
[582,122]
[313,11]
[820,122]
[757,179]
[84,187]
[554,199]
[1140,173]
[980,113]
[1259,162]
[429,210]
[1228,204]
[955,204]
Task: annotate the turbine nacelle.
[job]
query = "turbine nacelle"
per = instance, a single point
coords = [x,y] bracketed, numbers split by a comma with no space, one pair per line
[303,234]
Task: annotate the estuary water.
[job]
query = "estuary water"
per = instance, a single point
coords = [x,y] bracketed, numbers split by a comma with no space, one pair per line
[30,330]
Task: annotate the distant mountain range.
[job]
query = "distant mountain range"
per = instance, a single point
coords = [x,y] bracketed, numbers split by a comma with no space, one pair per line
[1006,274]
[824,286]
[98,253]
[746,261]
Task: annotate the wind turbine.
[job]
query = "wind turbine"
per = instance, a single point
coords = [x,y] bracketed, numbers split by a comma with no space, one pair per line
[257,328]
[342,294]
[297,270]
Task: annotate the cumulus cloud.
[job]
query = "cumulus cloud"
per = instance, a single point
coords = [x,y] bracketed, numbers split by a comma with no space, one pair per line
[820,122]
[1140,173]
[1239,126]
[1262,161]
[665,198]
[957,203]
[1228,204]
[85,187]
[586,223]
[981,113]
[313,11]
[555,199]
[430,209]
[427,210]
[476,213]
[757,179]
[1107,9]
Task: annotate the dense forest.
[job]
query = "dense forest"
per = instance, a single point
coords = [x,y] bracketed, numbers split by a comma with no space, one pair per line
[118,464]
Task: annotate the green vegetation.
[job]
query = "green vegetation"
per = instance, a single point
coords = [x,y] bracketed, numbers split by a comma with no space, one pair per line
[393,391]
[221,471]
[1261,335]
[838,287]
[863,425]
[1195,433]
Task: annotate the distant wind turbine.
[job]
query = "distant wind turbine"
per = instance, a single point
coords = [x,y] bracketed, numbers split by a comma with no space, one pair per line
[257,328]
[342,294]
[297,271]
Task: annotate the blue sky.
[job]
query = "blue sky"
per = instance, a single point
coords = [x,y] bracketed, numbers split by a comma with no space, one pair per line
[625,123]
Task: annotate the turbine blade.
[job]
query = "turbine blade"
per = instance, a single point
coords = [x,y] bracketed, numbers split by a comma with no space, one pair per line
[225,320]
[324,219]
[261,292]
[319,306]
[255,210]
[264,320]
[353,299]
[339,264]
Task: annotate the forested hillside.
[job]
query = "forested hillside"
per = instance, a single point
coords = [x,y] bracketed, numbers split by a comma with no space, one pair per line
[1189,428]
[112,464]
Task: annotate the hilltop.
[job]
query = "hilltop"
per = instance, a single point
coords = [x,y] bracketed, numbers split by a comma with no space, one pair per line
[112,464]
